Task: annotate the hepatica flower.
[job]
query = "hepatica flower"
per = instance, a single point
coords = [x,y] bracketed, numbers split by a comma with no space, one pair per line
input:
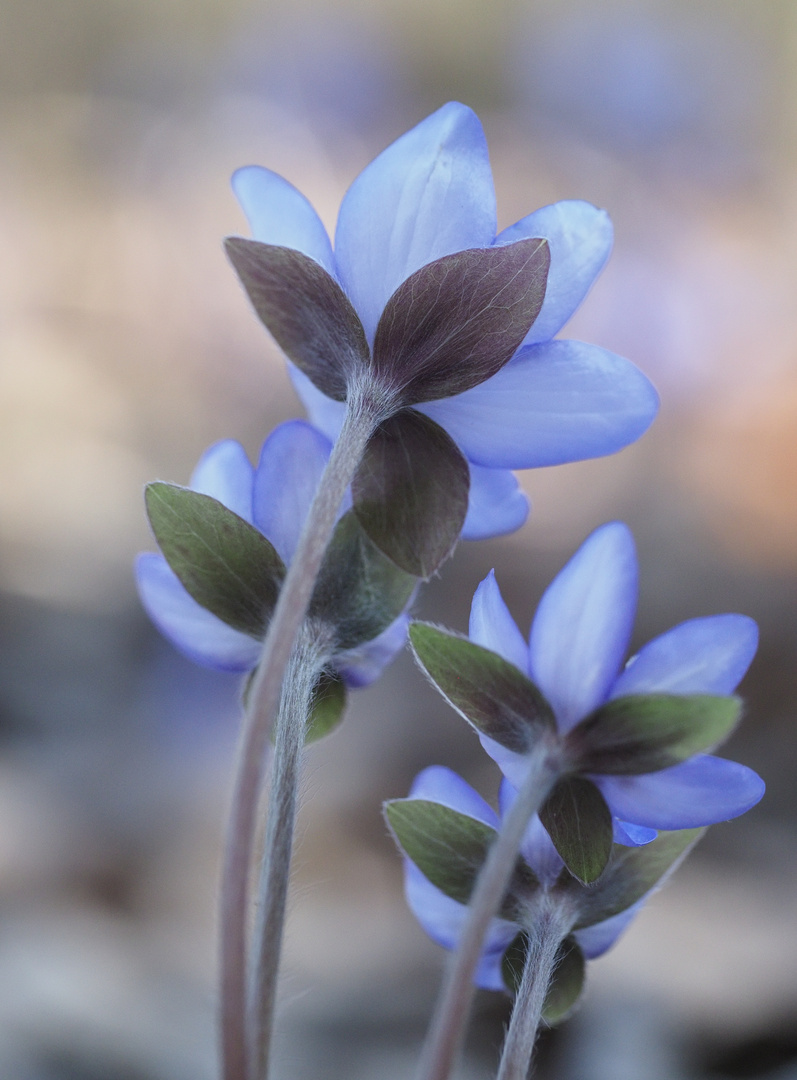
[445,828]
[626,742]
[440,322]
[227,540]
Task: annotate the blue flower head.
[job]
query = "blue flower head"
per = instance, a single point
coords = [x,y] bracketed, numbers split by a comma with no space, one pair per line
[574,654]
[443,918]
[274,496]
[426,197]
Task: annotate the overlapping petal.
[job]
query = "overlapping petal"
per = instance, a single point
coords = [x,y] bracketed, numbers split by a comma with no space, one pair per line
[225,473]
[427,195]
[199,635]
[492,626]
[442,785]
[583,624]
[361,666]
[625,832]
[552,403]
[279,214]
[701,791]
[580,238]
[292,461]
[595,940]
[701,656]
[443,918]
[496,504]
[513,766]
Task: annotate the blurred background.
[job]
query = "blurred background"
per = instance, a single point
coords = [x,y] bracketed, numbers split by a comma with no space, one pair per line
[127,346]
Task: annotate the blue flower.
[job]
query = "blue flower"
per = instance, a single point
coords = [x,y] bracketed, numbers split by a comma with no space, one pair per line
[578,640]
[274,497]
[431,194]
[442,917]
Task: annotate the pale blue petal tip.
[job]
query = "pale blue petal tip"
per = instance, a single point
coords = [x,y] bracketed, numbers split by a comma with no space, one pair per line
[439,784]
[192,629]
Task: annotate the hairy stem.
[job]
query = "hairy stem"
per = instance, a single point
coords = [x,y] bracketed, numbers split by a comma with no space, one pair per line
[447,1029]
[547,933]
[264,696]
[306,663]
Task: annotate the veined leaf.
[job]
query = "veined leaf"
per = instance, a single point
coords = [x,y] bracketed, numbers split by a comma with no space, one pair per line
[359,590]
[223,562]
[631,873]
[458,320]
[487,690]
[580,825]
[449,848]
[308,314]
[411,492]
[644,733]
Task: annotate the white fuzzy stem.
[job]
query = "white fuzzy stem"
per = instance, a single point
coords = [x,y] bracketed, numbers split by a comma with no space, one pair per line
[447,1030]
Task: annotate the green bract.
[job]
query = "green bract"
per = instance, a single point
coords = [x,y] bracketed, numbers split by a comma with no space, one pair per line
[448,327]
[500,701]
[567,981]
[580,825]
[644,733]
[329,704]
[449,847]
[411,492]
[630,874]
[223,562]
[359,591]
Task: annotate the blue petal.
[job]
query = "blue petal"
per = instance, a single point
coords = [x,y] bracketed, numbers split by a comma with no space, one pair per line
[325,414]
[552,403]
[428,195]
[225,472]
[492,627]
[279,214]
[191,628]
[442,785]
[583,624]
[595,940]
[701,656]
[291,463]
[580,237]
[363,665]
[496,504]
[536,847]
[514,766]
[632,835]
[701,791]
[442,918]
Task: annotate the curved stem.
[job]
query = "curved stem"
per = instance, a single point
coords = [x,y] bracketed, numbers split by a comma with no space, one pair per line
[264,695]
[305,665]
[447,1029]
[549,930]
